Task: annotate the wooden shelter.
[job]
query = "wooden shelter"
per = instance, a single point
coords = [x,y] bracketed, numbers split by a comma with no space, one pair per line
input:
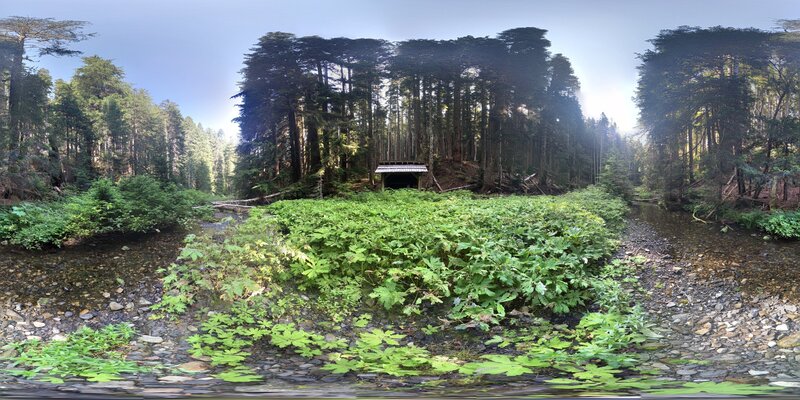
[401,174]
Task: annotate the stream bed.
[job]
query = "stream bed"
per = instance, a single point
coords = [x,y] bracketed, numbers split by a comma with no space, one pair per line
[764,267]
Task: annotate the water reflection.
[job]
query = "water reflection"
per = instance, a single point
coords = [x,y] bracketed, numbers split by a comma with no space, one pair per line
[768,267]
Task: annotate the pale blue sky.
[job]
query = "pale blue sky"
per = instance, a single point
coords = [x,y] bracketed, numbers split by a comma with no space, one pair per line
[190,51]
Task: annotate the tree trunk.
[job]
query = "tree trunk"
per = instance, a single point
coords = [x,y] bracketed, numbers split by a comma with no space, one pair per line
[294,144]
[14,106]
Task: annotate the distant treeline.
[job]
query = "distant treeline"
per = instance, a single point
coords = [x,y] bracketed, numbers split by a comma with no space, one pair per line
[336,107]
[94,126]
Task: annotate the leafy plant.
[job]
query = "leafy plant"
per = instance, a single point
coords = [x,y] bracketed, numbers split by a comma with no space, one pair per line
[381,352]
[96,355]
[413,249]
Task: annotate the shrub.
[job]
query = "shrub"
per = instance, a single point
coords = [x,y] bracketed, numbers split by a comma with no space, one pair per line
[30,225]
[751,219]
[481,255]
[785,224]
[136,204]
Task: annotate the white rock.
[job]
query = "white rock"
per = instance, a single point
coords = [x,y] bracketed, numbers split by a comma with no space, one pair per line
[785,384]
[174,379]
[151,339]
[757,372]
[38,324]
[782,328]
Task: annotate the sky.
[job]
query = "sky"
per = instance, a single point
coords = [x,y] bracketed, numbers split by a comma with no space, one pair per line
[191,51]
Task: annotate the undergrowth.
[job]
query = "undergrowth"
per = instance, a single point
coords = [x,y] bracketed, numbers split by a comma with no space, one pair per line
[292,274]
[136,204]
[782,224]
[96,355]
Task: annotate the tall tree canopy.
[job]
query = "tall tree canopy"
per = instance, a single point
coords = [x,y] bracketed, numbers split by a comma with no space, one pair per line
[95,125]
[721,107]
[334,108]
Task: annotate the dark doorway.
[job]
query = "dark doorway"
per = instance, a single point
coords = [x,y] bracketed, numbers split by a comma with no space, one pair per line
[400,181]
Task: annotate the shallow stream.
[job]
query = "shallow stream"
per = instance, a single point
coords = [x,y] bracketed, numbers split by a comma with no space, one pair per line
[761,266]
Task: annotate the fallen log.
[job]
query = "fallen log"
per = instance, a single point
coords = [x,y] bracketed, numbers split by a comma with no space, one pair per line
[242,204]
[436,182]
[460,187]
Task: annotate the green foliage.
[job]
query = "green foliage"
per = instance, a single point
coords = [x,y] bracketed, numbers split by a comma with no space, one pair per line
[136,204]
[246,262]
[96,355]
[614,177]
[751,219]
[380,351]
[783,224]
[29,225]
[239,374]
[412,249]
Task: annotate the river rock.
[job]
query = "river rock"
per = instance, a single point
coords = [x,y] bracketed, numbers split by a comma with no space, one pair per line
[174,379]
[789,341]
[757,372]
[782,328]
[114,385]
[87,316]
[194,367]
[161,391]
[704,329]
[713,374]
[151,339]
[255,389]
[38,324]
[789,384]
[14,316]
[114,306]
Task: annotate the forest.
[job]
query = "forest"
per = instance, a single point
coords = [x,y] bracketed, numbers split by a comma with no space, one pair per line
[544,253]
[56,135]
[332,109]
[720,108]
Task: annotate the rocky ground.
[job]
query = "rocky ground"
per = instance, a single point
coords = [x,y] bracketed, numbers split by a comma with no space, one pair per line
[713,329]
